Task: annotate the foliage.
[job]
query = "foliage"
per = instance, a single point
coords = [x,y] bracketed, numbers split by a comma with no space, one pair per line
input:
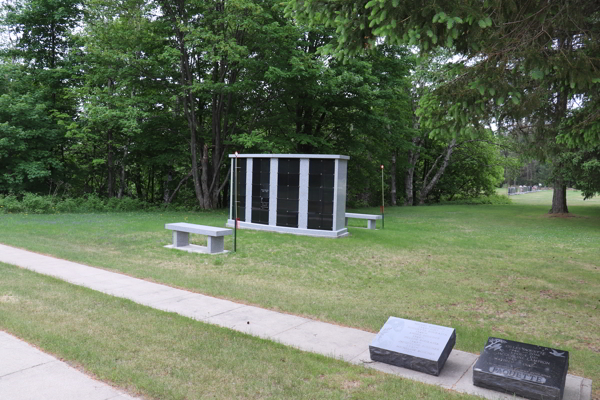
[28,133]
[476,169]
[36,204]
[527,65]
[144,100]
[582,169]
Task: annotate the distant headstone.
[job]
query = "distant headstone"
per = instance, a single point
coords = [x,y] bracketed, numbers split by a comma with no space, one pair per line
[522,369]
[414,345]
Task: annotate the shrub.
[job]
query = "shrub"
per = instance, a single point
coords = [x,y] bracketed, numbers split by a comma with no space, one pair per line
[10,204]
[36,204]
[67,206]
[92,204]
[491,199]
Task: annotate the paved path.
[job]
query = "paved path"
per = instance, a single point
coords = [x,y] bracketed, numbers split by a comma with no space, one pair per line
[26,373]
[348,344]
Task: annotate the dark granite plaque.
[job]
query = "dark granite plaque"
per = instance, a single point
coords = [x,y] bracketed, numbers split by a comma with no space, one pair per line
[523,369]
[414,345]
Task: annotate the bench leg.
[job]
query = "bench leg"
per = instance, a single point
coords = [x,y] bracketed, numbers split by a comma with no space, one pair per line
[346,223]
[372,223]
[180,239]
[216,244]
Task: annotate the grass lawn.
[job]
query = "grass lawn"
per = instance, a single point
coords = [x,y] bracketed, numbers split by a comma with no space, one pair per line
[176,358]
[510,271]
[544,198]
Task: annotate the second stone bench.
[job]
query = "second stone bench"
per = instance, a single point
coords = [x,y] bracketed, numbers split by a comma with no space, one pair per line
[371,219]
[215,236]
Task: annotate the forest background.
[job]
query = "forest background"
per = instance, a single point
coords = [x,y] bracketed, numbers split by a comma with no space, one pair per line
[138,103]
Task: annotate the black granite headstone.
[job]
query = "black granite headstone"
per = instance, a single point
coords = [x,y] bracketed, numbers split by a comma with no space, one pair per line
[523,369]
[414,345]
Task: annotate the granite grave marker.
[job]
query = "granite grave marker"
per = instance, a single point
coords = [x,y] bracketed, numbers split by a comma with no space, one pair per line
[527,370]
[414,345]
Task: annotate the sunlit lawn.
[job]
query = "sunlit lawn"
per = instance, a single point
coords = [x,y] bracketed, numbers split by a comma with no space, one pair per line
[511,271]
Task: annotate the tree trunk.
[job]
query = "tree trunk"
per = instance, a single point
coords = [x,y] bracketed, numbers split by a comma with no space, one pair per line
[139,185]
[206,203]
[559,198]
[111,165]
[181,182]
[393,178]
[426,188]
[166,192]
[413,157]
[122,177]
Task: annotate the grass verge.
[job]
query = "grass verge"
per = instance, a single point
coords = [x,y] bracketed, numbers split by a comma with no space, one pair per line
[174,357]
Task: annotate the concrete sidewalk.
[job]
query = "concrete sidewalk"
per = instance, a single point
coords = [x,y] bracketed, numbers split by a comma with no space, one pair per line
[348,344]
[26,373]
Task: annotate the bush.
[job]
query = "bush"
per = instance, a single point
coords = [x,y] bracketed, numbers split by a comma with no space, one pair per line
[495,199]
[124,204]
[10,204]
[91,204]
[67,206]
[36,204]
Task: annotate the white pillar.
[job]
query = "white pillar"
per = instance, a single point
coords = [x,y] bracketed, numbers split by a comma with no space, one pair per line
[273,191]
[248,217]
[231,190]
[339,194]
[303,194]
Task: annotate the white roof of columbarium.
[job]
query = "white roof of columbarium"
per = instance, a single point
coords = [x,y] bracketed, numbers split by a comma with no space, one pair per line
[319,156]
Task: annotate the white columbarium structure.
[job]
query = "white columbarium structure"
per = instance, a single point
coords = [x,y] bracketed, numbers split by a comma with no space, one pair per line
[304,194]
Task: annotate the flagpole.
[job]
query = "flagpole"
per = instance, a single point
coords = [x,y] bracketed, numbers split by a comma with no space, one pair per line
[382,200]
[235,188]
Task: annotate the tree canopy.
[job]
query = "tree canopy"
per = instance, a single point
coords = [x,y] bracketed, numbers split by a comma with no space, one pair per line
[530,67]
[145,99]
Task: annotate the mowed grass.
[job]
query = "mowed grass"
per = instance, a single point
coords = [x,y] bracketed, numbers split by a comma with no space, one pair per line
[544,198]
[510,271]
[164,356]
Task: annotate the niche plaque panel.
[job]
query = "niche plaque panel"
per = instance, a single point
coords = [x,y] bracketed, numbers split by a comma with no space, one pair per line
[304,194]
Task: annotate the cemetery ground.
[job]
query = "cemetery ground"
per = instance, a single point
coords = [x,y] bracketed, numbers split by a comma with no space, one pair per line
[508,271]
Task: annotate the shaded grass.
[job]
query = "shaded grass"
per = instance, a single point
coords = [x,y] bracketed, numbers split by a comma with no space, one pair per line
[174,357]
[508,271]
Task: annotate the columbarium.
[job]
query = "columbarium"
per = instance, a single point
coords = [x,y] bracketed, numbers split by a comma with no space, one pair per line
[304,194]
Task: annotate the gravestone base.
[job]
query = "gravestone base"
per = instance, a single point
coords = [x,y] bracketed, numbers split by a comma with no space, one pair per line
[414,345]
[431,367]
[526,370]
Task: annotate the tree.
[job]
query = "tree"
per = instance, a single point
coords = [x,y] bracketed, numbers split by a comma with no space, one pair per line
[28,133]
[126,105]
[528,64]
[37,98]
[218,44]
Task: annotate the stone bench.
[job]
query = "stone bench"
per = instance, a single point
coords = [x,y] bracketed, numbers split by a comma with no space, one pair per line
[371,219]
[215,236]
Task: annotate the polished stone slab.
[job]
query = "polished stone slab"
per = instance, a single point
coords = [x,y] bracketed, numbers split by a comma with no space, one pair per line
[523,369]
[413,345]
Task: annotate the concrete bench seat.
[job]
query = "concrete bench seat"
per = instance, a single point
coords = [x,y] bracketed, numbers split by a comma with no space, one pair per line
[371,219]
[215,237]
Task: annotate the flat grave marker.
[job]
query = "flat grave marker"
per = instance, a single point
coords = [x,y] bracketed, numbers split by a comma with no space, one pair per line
[527,370]
[415,345]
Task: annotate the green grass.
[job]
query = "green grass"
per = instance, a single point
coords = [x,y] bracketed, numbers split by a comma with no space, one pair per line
[511,271]
[544,198]
[174,357]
